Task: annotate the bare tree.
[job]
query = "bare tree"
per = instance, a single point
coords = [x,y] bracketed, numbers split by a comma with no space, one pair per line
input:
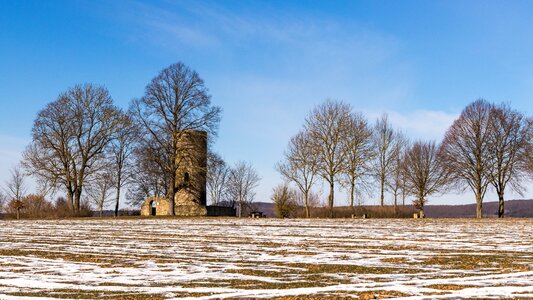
[36,206]
[101,189]
[148,177]
[16,190]
[528,151]
[386,145]
[175,101]
[121,156]
[284,200]
[358,146]
[300,166]
[3,201]
[424,172]
[69,137]
[508,139]
[217,177]
[396,181]
[242,181]
[15,186]
[327,127]
[313,200]
[465,150]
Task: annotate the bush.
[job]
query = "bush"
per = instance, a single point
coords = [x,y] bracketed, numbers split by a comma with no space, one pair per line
[62,209]
[284,201]
[37,207]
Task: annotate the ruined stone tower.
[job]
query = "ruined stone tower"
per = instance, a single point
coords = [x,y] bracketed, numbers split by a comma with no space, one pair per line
[190,198]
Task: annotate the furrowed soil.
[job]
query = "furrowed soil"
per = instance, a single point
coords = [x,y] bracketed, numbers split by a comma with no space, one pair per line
[230,258]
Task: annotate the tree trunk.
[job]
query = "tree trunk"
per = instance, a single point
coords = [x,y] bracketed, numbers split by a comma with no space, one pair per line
[119,180]
[306,196]
[70,200]
[101,211]
[479,205]
[117,200]
[172,195]
[395,202]
[77,197]
[18,213]
[240,208]
[382,191]
[501,206]
[352,191]
[330,198]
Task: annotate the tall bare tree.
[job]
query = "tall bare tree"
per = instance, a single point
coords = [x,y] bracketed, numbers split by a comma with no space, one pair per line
[465,150]
[508,139]
[242,181]
[424,172]
[396,181]
[175,101]
[15,186]
[217,178]
[16,189]
[100,190]
[327,127]
[359,152]
[386,145]
[121,156]
[148,177]
[3,201]
[300,166]
[69,137]
[528,151]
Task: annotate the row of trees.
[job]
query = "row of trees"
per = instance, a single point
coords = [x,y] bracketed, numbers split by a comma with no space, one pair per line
[16,201]
[488,145]
[87,148]
[231,186]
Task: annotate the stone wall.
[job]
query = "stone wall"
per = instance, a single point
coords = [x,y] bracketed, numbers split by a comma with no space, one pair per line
[221,211]
[162,207]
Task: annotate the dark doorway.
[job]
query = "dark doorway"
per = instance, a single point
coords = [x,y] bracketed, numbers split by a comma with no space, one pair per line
[152,208]
[186,179]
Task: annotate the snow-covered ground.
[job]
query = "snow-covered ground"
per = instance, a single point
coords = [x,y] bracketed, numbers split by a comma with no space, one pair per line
[264,258]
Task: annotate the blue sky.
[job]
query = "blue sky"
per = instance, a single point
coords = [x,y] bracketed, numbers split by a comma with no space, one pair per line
[268,63]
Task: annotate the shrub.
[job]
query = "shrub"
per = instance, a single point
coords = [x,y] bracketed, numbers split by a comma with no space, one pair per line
[37,207]
[284,201]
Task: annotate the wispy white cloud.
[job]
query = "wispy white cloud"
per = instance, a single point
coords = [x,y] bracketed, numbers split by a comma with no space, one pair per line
[422,124]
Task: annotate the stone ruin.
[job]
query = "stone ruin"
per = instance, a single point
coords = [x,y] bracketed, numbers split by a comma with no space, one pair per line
[190,198]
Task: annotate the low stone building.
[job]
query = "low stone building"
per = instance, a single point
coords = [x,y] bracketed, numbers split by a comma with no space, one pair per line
[155,206]
[158,206]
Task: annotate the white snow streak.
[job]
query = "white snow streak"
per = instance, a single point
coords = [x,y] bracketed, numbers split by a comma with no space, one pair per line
[250,258]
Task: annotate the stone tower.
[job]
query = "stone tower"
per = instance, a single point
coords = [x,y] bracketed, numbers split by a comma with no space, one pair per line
[190,199]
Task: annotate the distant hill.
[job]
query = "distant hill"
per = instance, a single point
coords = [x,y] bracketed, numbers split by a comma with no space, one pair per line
[513,209]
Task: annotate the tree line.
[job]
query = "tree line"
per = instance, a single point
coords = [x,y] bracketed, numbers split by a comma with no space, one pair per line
[488,145]
[89,150]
